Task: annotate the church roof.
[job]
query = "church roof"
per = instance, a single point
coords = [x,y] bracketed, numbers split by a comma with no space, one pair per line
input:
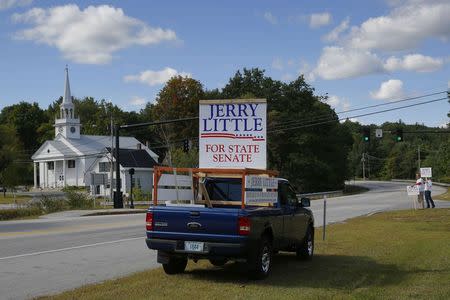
[86,145]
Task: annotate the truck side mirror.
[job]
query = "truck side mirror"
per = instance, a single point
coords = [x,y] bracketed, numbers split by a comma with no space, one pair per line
[305,202]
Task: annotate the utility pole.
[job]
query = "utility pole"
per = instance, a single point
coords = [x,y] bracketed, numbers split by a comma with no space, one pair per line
[118,201]
[111,168]
[418,156]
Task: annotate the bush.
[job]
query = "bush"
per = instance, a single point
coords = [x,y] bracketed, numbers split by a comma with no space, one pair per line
[50,204]
[79,200]
[9,214]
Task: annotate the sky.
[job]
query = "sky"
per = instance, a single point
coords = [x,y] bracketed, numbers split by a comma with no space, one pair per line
[359,53]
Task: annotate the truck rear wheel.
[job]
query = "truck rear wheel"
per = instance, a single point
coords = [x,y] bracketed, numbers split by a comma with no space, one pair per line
[175,265]
[260,264]
[305,250]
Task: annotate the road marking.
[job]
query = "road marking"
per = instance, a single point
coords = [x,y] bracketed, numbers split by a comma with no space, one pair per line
[70,248]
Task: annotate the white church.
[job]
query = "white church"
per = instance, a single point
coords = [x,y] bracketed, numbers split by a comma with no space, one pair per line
[75,159]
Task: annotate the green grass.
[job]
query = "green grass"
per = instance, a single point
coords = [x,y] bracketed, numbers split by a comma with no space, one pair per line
[19,213]
[396,255]
[9,199]
[445,196]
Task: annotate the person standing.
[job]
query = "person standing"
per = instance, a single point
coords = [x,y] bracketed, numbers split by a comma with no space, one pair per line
[427,188]
[421,186]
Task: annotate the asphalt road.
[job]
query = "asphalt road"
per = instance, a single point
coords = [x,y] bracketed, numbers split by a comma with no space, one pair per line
[46,256]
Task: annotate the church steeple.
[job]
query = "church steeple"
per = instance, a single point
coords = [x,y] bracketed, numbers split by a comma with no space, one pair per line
[67,96]
[67,125]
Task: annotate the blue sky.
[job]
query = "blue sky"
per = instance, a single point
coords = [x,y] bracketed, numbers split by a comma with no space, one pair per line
[359,52]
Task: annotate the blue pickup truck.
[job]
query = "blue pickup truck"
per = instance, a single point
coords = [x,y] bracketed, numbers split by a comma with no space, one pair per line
[220,227]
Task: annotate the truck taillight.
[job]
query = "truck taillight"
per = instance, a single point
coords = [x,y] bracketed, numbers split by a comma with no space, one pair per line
[244,226]
[149,221]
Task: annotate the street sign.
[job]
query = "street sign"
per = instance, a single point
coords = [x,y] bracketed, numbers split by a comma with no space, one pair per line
[425,172]
[379,133]
[232,133]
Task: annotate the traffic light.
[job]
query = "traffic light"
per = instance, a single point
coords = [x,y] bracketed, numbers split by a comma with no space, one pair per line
[399,135]
[186,145]
[366,134]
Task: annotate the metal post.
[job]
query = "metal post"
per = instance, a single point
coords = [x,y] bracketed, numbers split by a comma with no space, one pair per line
[364,166]
[324,216]
[131,190]
[118,201]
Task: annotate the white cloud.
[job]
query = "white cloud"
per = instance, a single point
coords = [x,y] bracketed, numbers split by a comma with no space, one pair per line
[389,90]
[414,62]
[333,35]
[405,27]
[89,36]
[5,4]
[277,64]
[137,101]
[151,78]
[337,103]
[318,20]
[338,63]
[270,18]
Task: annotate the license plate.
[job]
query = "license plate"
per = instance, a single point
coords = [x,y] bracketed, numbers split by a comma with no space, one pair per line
[193,246]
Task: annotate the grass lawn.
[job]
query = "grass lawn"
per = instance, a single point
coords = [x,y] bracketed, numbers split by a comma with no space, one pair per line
[445,196]
[395,255]
[9,199]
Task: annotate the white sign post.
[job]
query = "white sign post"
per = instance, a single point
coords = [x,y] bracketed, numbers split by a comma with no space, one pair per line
[232,133]
[425,172]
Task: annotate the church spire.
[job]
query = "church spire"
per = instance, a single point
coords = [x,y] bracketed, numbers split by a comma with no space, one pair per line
[67,97]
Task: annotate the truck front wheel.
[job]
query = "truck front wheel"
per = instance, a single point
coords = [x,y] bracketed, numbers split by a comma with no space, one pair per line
[175,265]
[260,263]
[305,250]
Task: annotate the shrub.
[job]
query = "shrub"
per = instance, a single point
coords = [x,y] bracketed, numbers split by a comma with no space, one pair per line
[49,204]
[79,200]
[9,214]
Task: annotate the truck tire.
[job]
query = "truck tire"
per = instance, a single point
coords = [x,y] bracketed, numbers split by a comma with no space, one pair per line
[218,262]
[260,263]
[175,265]
[305,250]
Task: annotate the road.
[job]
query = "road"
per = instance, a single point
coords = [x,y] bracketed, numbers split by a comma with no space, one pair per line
[46,256]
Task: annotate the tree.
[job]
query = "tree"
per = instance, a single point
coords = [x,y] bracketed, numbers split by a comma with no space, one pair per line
[26,118]
[10,153]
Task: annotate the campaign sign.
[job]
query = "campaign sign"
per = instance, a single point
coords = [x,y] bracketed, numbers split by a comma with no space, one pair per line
[412,190]
[425,172]
[232,133]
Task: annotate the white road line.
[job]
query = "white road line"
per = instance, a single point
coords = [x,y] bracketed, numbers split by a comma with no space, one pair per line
[71,248]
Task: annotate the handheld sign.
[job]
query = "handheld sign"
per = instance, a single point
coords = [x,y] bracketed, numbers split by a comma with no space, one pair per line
[412,190]
[232,133]
[425,172]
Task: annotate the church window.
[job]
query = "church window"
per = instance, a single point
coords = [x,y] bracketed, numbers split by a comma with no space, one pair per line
[71,114]
[71,164]
[67,113]
[104,166]
[50,165]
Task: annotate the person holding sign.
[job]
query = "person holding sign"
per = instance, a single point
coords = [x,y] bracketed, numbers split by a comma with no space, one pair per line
[421,186]
[428,185]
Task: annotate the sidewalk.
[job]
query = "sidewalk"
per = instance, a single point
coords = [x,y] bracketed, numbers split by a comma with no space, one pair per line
[92,212]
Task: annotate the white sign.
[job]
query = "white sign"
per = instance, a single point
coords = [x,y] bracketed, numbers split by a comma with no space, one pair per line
[412,190]
[379,133]
[232,133]
[260,182]
[425,172]
[255,197]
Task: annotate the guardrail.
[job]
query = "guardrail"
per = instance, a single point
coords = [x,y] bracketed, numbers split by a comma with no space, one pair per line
[324,195]
[411,180]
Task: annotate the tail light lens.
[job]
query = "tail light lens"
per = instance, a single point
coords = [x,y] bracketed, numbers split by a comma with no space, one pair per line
[244,226]
[149,221]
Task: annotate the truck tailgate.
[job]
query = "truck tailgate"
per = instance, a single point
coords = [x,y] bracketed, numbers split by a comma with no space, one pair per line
[202,223]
